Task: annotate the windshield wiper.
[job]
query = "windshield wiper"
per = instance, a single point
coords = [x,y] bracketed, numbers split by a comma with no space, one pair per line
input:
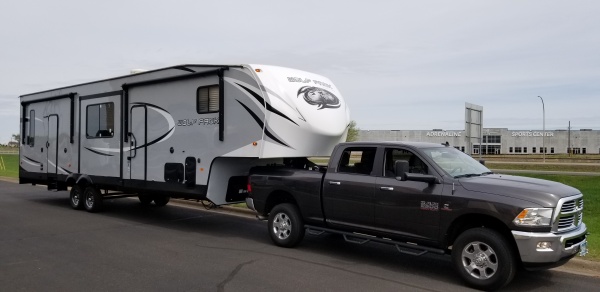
[467,175]
[487,172]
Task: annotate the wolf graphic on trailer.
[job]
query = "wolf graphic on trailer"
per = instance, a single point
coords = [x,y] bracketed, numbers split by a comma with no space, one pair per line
[188,131]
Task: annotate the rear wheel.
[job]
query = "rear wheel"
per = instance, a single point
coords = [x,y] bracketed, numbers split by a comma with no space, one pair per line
[484,259]
[161,201]
[93,199]
[285,225]
[76,197]
[145,200]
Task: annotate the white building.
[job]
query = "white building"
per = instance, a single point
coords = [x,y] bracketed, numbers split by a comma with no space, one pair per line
[499,140]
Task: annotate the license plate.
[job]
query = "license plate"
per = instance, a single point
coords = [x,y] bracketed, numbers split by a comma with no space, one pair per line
[583,250]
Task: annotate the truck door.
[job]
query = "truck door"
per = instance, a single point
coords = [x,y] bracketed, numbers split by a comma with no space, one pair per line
[138,142]
[407,208]
[348,191]
[52,145]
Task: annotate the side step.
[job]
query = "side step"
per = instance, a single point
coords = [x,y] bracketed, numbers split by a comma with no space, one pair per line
[358,238]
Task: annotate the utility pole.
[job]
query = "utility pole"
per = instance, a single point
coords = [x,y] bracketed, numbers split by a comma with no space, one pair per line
[543,128]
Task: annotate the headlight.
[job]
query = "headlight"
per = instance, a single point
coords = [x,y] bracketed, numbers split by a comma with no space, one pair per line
[534,217]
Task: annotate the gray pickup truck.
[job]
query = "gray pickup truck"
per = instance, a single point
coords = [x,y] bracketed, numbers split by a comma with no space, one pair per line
[424,197]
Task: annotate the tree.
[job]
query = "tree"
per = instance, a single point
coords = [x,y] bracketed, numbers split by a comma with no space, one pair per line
[352,132]
[16,137]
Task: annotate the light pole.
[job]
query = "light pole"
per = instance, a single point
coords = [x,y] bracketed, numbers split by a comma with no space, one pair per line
[543,128]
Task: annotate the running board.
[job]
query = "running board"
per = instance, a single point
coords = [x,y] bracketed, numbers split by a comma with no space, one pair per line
[358,238]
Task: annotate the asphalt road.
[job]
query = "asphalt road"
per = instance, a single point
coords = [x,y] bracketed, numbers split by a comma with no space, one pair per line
[47,246]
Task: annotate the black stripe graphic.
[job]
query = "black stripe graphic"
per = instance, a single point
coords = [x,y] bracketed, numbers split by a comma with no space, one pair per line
[185,69]
[261,124]
[97,152]
[32,160]
[64,170]
[151,105]
[269,107]
[155,140]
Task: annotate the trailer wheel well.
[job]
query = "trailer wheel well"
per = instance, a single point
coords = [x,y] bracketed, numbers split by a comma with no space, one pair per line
[469,221]
[278,197]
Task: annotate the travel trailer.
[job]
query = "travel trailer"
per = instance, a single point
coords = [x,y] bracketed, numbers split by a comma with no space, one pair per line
[187,131]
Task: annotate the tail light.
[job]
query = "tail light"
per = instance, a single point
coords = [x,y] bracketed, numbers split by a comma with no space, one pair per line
[249,186]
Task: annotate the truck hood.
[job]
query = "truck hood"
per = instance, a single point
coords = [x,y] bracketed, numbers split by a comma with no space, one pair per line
[543,192]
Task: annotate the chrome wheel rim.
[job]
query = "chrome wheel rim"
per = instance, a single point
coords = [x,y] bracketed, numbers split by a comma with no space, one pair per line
[282,226]
[75,198]
[479,260]
[89,199]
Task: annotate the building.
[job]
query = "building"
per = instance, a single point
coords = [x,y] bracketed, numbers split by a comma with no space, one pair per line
[499,140]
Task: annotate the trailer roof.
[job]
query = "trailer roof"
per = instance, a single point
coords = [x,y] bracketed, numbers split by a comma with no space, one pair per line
[183,67]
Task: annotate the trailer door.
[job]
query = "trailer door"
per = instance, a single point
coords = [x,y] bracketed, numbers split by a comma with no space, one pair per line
[138,142]
[52,145]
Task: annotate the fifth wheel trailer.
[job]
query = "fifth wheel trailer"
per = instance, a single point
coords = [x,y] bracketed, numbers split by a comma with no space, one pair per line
[187,131]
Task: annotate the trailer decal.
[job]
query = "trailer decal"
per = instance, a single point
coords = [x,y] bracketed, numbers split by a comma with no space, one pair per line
[31,161]
[319,97]
[97,152]
[261,124]
[262,102]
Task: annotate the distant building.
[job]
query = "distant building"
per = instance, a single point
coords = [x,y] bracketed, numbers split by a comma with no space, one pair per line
[13,144]
[499,140]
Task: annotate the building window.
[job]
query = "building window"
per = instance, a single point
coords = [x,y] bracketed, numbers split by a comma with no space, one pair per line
[583,150]
[524,149]
[491,139]
[207,99]
[510,150]
[532,149]
[552,150]
[518,150]
[100,120]
[462,148]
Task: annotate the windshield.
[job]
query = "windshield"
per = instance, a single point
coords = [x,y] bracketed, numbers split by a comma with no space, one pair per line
[455,162]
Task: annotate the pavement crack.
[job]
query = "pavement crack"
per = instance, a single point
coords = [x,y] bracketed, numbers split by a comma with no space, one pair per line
[221,286]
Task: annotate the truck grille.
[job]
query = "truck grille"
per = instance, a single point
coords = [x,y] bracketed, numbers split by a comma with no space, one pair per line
[571,214]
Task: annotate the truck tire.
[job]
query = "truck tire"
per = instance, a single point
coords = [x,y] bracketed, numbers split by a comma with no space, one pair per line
[161,201]
[145,200]
[76,197]
[92,199]
[285,225]
[484,259]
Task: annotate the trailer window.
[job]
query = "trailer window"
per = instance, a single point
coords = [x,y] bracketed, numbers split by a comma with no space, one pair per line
[207,99]
[31,126]
[100,120]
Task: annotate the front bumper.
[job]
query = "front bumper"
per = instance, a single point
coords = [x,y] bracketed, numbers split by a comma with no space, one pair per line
[563,246]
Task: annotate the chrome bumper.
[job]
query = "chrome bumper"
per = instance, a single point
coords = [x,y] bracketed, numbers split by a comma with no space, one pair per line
[563,245]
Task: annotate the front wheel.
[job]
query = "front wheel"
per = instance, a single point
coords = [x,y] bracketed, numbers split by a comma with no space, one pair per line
[161,201]
[285,225]
[76,197]
[484,259]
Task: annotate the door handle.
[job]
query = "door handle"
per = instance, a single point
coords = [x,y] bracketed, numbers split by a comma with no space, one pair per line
[386,188]
[337,183]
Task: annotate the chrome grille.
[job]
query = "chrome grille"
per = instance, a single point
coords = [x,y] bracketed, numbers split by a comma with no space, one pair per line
[571,214]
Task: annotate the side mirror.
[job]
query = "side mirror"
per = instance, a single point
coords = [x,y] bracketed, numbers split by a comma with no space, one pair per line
[482,162]
[430,179]
[401,168]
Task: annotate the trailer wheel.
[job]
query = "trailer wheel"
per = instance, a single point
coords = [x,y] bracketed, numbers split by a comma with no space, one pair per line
[161,201]
[93,199]
[285,225]
[484,259]
[76,197]
[145,200]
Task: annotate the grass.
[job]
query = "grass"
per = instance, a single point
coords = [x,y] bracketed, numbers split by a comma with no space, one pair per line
[11,165]
[595,167]
[590,187]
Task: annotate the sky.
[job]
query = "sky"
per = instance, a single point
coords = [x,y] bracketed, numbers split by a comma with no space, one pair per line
[405,65]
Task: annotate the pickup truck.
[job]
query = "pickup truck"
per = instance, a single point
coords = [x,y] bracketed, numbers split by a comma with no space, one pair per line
[424,197]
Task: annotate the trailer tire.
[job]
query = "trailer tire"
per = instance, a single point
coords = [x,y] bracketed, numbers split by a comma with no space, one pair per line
[76,197]
[145,200]
[161,201]
[484,259]
[93,199]
[285,225]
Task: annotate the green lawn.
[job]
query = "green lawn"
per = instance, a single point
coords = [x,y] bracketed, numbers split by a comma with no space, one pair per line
[11,162]
[590,187]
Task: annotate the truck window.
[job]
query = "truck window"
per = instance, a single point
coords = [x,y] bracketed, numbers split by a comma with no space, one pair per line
[415,164]
[207,99]
[100,120]
[357,160]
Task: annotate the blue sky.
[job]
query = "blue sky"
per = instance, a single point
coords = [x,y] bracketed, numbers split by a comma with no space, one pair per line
[399,64]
